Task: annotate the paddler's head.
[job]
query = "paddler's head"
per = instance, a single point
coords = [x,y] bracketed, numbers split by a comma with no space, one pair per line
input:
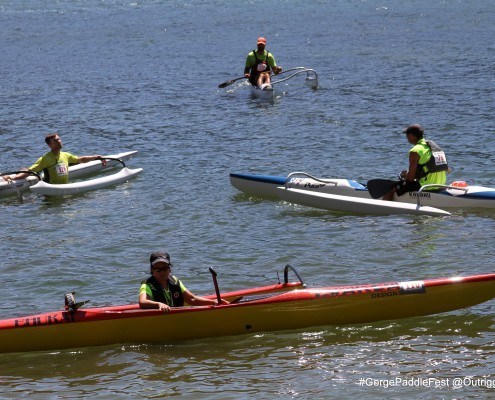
[160,263]
[261,43]
[54,142]
[414,133]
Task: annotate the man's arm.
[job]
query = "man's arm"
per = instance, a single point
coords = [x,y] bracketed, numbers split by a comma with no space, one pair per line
[15,177]
[85,159]
[413,166]
[273,64]
[247,67]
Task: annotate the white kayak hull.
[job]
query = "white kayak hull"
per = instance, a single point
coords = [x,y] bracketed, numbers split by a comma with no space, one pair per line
[84,186]
[75,171]
[460,198]
[355,205]
[474,197]
[266,185]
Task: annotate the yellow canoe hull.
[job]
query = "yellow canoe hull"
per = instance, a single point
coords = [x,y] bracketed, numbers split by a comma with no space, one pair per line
[294,308]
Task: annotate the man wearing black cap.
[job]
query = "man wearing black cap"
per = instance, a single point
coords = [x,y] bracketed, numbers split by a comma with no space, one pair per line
[427,164]
[163,290]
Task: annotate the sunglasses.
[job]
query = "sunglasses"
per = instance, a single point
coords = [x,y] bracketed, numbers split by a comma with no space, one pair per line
[161,269]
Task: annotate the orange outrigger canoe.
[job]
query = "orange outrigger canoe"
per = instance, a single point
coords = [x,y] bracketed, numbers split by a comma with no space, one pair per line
[282,306]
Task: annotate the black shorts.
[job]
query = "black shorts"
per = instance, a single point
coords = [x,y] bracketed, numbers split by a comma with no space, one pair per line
[405,187]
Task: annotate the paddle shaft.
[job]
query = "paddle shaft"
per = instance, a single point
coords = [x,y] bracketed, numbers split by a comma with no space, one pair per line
[225,84]
[215,283]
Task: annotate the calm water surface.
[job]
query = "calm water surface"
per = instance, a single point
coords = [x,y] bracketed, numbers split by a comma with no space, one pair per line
[111,76]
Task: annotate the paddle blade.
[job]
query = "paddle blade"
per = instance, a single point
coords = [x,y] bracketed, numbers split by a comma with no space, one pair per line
[380,187]
[225,84]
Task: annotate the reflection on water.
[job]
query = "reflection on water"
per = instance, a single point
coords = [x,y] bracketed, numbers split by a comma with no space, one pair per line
[435,346]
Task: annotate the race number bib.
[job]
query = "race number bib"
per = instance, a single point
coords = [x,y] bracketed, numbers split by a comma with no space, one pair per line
[261,67]
[61,169]
[439,157]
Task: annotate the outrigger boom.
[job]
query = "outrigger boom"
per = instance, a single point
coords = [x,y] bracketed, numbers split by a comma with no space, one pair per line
[311,76]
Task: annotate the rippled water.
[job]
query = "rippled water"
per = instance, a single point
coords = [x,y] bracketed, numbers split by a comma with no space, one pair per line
[111,76]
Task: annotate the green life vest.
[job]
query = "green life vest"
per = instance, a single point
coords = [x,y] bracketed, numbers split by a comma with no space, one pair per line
[159,295]
[436,163]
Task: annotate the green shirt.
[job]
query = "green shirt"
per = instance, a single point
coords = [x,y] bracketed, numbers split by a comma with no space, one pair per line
[424,152]
[57,166]
[251,59]
[168,296]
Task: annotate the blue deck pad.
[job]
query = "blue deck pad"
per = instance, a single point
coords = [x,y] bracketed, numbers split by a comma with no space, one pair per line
[276,180]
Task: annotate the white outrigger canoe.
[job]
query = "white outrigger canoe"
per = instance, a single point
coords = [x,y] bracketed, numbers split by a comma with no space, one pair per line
[75,171]
[447,196]
[267,92]
[84,186]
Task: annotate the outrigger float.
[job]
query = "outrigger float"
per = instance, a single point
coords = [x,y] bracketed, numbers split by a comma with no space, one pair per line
[457,195]
[281,306]
[35,183]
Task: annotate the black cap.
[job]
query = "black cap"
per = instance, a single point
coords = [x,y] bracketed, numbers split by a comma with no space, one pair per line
[415,129]
[159,256]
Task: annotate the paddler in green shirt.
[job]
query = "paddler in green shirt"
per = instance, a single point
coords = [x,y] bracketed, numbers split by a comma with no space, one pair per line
[259,63]
[427,164]
[54,164]
[162,290]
